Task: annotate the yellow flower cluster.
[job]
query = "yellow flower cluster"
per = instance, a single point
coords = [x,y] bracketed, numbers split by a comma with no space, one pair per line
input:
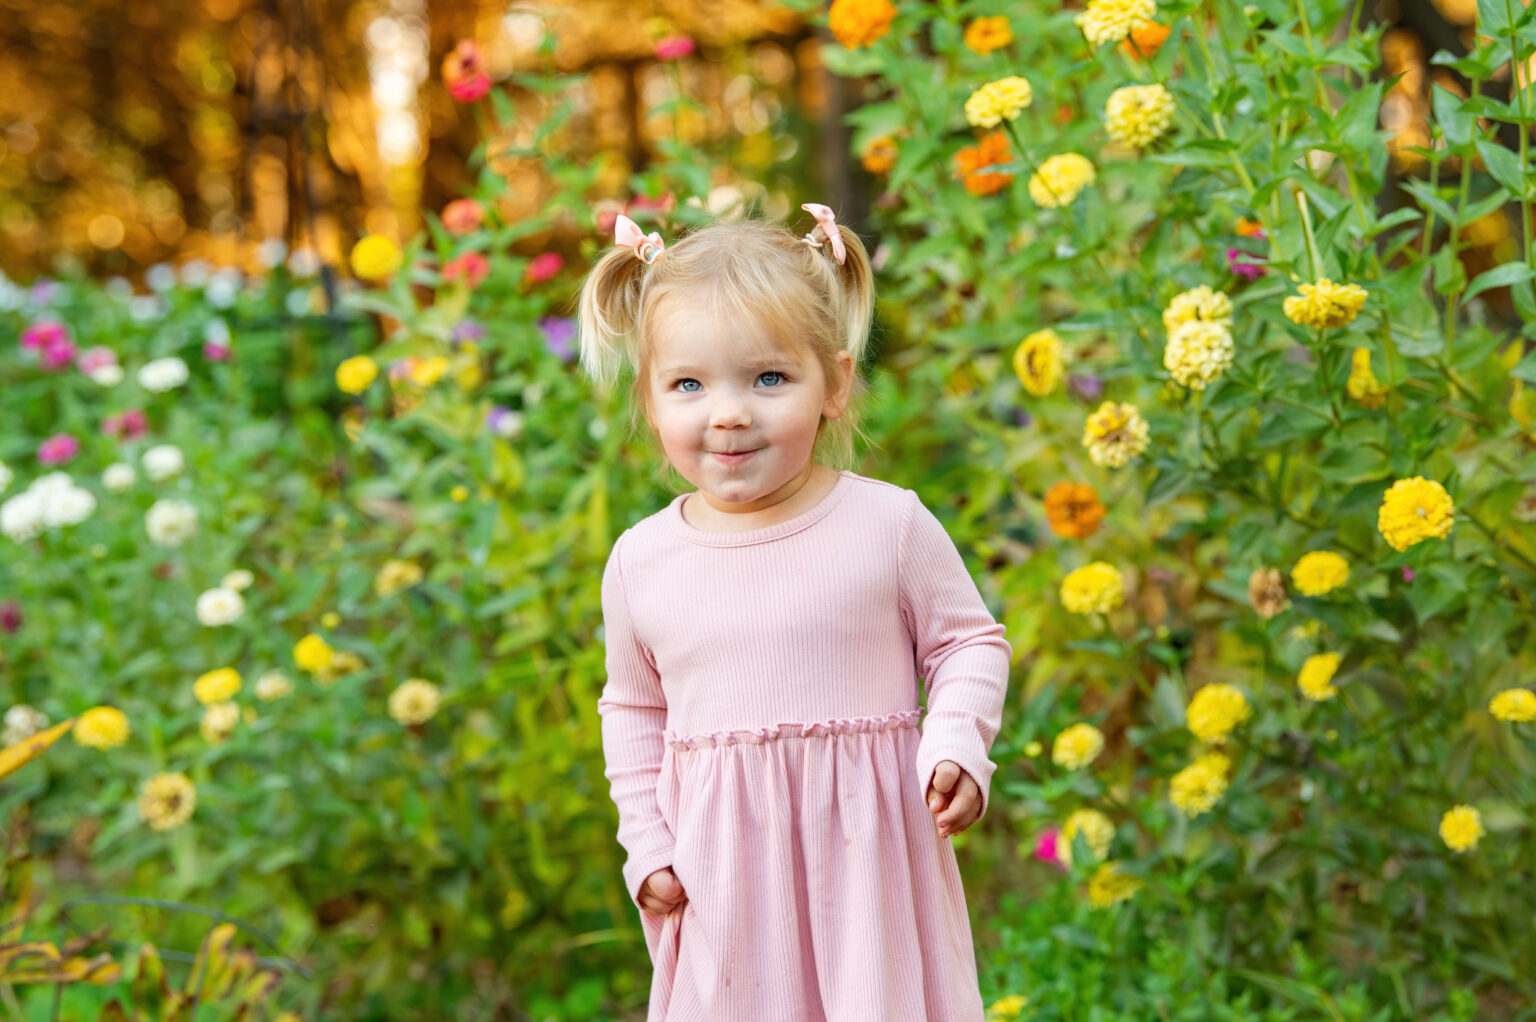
[375,257]
[272,686]
[1363,386]
[312,653]
[1094,588]
[1109,885]
[1325,304]
[1215,711]
[1413,510]
[987,34]
[998,101]
[1316,677]
[1201,303]
[166,800]
[1109,21]
[1461,828]
[1517,705]
[1059,180]
[216,686]
[1038,362]
[219,722]
[1097,830]
[354,375]
[1198,352]
[856,23]
[414,702]
[1319,572]
[395,576]
[1115,434]
[101,727]
[1199,786]
[1006,1009]
[1077,746]
[1136,115]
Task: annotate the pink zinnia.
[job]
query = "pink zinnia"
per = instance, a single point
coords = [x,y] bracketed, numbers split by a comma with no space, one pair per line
[57,354]
[1246,270]
[673,47]
[92,359]
[40,335]
[471,267]
[215,351]
[1408,573]
[544,266]
[127,425]
[1046,847]
[57,449]
[461,216]
[464,74]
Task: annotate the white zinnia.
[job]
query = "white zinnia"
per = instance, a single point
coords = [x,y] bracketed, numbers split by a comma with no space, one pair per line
[118,477]
[162,374]
[70,505]
[21,517]
[219,721]
[109,375]
[53,500]
[238,579]
[219,606]
[170,522]
[163,461]
[273,685]
[21,723]
[194,272]
[160,277]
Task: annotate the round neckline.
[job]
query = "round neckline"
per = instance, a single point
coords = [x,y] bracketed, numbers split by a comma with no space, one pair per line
[778,530]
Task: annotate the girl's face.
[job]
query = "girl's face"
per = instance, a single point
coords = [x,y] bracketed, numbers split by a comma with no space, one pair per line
[710,395]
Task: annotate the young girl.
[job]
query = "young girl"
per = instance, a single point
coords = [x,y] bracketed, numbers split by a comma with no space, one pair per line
[785,819]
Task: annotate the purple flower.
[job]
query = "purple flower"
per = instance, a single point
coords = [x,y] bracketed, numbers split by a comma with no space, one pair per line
[58,449]
[10,617]
[559,333]
[43,291]
[1087,387]
[1022,417]
[1408,573]
[467,330]
[1246,270]
[503,421]
[213,351]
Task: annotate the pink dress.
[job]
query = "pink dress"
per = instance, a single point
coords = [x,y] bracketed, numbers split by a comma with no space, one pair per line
[760,727]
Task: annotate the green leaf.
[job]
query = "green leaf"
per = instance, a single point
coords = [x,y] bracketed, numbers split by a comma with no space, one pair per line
[1356,120]
[1450,274]
[1200,152]
[1493,17]
[1504,166]
[1499,276]
[1457,124]
[1422,191]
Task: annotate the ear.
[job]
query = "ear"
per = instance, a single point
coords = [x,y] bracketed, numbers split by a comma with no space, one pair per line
[837,397]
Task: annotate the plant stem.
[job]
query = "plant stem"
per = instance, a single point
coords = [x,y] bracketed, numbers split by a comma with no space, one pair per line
[1515,67]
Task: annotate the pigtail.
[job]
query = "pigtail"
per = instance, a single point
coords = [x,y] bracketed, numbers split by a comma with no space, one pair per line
[855,286]
[609,315]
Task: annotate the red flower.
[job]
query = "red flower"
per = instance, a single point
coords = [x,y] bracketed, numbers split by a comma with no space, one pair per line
[608,210]
[471,267]
[673,47]
[543,267]
[462,216]
[464,73]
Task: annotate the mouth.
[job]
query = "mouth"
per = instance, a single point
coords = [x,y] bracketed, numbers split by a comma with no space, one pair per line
[733,457]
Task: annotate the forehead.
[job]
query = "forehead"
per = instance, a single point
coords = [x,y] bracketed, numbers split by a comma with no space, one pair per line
[690,338]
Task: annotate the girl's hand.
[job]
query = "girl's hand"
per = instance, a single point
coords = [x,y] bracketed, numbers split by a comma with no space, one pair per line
[953,797]
[661,893]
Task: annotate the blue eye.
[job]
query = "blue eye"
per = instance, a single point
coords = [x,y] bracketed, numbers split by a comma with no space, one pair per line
[689,379]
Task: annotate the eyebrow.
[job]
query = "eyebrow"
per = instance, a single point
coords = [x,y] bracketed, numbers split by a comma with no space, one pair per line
[757,363]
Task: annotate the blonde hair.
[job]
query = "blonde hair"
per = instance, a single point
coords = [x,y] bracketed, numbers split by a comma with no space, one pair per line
[748,270]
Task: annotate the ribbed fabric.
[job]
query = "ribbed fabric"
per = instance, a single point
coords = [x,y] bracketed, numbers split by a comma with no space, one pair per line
[761,733]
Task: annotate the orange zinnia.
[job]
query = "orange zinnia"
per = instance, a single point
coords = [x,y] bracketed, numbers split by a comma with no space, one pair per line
[879,156]
[1073,510]
[971,161]
[1148,37]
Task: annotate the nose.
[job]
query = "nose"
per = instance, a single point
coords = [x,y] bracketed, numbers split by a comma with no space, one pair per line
[729,410]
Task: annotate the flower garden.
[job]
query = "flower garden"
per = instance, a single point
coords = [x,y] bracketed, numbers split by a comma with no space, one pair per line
[1218,383]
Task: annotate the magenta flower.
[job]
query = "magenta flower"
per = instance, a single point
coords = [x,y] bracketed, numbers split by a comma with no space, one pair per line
[40,335]
[10,617]
[1047,850]
[1246,270]
[57,355]
[464,73]
[57,449]
[216,351]
[1408,573]
[128,425]
[92,359]
[673,47]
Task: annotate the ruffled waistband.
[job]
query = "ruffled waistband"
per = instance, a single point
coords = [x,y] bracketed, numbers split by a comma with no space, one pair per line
[773,732]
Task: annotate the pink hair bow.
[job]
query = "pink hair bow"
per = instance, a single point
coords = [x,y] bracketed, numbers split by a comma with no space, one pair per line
[828,222]
[627,233]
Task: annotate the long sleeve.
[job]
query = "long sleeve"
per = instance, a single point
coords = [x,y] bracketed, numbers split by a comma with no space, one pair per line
[960,649]
[634,715]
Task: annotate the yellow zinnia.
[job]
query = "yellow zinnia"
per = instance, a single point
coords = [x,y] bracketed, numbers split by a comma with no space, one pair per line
[998,101]
[1060,179]
[1098,830]
[1096,587]
[1109,885]
[1319,572]
[167,800]
[312,653]
[1325,304]
[1198,787]
[1461,828]
[429,370]
[1201,303]
[1115,434]
[101,727]
[216,686]
[1215,711]
[1514,704]
[987,34]
[1077,746]
[414,701]
[1316,677]
[1362,385]
[1413,510]
[1109,21]
[375,257]
[1197,353]
[395,576]
[1136,115]
[1038,363]
[856,23]
[354,375]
